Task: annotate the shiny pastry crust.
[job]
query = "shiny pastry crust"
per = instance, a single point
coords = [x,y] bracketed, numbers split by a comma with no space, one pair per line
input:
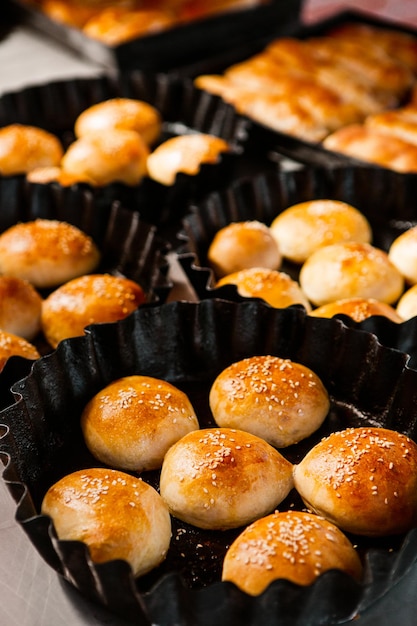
[219,478]
[407,304]
[350,270]
[291,545]
[241,245]
[277,288]
[114,156]
[303,228]
[401,123]
[114,26]
[131,423]
[403,254]
[47,253]
[358,309]
[184,153]
[86,300]
[20,310]
[74,14]
[276,399]
[13,345]
[364,480]
[121,113]
[117,515]
[23,147]
[45,175]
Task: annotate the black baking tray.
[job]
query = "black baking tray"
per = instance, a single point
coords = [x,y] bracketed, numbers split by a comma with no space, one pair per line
[176,46]
[189,344]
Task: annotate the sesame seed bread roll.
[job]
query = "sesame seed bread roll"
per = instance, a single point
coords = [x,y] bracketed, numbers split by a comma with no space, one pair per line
[23,147]
[122,113]
[21,306]
[133,421]
[220,478]
[358,309]
[184,153]
[407,304]
[277,288]
[303,228]
[364,480]
[291,545]
[241,245]
[117,515]
[403,254]
[350,270]
[91,299]
[46,253]
[276,399]
[13,345]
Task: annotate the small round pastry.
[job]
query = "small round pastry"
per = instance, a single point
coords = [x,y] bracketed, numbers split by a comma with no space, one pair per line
[276,399]
[407,304]
[350,270]
[277,288]
[403,254]
[364,480]
[118,516]
[292,545]
[23,147]
[13,345]
[114,26]
[241,245]
[358,309]
[122,113]
[45,175]
[20,310]
[303,228]
[184,153]
[90,299]
[220,478]
[133,421]
[107,157]
[46,253]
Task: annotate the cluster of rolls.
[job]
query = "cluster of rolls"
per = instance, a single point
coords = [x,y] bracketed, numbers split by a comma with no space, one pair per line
[49,284]
[117,140]
[328,243]
[234,475]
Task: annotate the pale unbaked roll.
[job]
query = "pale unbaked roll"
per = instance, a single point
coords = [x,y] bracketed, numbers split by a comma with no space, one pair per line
[21,306]
[403,254]
[23,147]
[358,309]
[117,515]
[13,345]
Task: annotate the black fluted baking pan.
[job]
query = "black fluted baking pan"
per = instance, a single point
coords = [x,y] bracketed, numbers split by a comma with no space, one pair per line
[55,106]
[188,344]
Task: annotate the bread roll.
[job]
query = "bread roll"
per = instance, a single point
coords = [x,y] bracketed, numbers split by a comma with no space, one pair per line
[407,304]
[276,399]
[241,245]
[401,123]
[184,153]
[45,175]
[107,157]
[219,478]
[303,228]
[403,254]
[133,421]
[117,515]
[350,270]
[46,253]
[114,26]
[20,310]
[358,309]
[13,345]
[121,113]
[277,288]
[292,545]
[71,13]
[23,147]
[91,299]
[364,480]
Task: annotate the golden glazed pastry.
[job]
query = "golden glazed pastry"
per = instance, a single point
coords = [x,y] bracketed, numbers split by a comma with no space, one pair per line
[47,253]
[121,113]
[291,545]
[364,480]
[118,516]
[303,228]
[114,26]
[45,175]
[401,123]
[91,299]
[403,254]
[219,478]
[23,147]
[241,245]
[358,309]
[277,288]
[108,157]
[407,304]
[71,13]
[133,421]
[13,345]
[20,307]
[350,270]
[184,153]
[276,399]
